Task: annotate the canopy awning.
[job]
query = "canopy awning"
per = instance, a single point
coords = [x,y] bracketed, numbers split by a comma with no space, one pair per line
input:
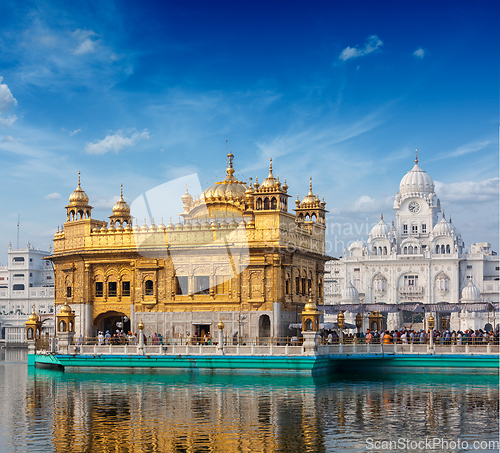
[478,307]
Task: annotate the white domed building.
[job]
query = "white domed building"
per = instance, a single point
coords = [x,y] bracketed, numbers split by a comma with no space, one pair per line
[420,260]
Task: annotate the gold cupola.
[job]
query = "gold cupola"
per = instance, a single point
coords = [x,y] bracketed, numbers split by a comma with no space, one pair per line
[121,212]
[311,210]
[33,326]
[78,208]
[78,197]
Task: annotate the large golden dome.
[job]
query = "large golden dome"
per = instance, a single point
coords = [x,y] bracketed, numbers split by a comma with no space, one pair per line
[229,189]
[78,197]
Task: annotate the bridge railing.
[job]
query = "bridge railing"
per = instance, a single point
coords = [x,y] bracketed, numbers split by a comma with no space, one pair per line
[267,346]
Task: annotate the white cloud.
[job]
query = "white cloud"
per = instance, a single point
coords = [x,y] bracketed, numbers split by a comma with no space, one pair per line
[7,139]
[419,53]
[372,44]
[115,142]
[6,98]
[86,46]
[76,131]
[8,121]
[469,191]
[53,196]
[105,203]
[468,148]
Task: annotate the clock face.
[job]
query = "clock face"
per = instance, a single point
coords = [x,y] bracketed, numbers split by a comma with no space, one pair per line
[414,207]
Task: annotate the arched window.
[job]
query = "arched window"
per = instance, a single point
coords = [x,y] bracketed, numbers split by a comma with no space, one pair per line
[259,204]
[385,250]
[442,249]
[448,249]
[410,250]
[149,289]
[313,217]
[18,287]
[62,326]
[437,248]
[273,203]
[405,251]
[30,333]
[266,203]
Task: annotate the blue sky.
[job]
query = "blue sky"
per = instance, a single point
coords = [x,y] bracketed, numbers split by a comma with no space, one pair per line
[141,93]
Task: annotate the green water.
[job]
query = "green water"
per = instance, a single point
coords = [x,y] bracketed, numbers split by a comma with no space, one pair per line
[122,411]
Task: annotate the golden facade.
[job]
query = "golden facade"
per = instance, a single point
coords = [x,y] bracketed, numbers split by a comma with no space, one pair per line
[238,255]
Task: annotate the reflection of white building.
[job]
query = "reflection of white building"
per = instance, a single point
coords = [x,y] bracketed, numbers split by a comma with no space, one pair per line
[421,260]
[24,281]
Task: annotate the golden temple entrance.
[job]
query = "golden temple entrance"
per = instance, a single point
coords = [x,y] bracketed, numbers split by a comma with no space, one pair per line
[112,321]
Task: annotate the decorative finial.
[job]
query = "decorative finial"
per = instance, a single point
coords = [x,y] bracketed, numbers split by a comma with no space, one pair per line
[271,165]
[381,216]
[310,183]
[416,156]
[443,214]
[450,218]
[230,169]
[121,190]
[78,179]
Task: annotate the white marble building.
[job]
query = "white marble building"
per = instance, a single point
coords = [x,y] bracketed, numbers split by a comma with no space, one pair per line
[421,260]
[24,281]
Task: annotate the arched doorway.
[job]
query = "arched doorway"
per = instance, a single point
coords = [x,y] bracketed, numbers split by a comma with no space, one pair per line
[112,321]
[264,326]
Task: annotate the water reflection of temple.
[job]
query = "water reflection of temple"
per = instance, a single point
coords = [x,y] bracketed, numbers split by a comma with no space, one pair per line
[169,412]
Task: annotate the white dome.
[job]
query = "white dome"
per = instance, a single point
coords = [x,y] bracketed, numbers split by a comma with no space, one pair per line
[356,245]
[380,229]
[350,294]
[470,293]
[416,181]
[443,228]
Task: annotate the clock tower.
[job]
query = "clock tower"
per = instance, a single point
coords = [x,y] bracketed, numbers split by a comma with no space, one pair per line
[417,207]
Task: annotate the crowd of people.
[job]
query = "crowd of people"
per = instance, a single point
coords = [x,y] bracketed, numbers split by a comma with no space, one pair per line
[407,336]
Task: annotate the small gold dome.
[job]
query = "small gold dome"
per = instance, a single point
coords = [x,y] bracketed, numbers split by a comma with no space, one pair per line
[220,325]
[141,325]
[33,317]
[121,207]
[270,181]
[311,305]
[309,198]
[79,197]
[187,197]
[65,308]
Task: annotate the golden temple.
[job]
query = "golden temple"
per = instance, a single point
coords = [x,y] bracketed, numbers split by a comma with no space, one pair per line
[237,256]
